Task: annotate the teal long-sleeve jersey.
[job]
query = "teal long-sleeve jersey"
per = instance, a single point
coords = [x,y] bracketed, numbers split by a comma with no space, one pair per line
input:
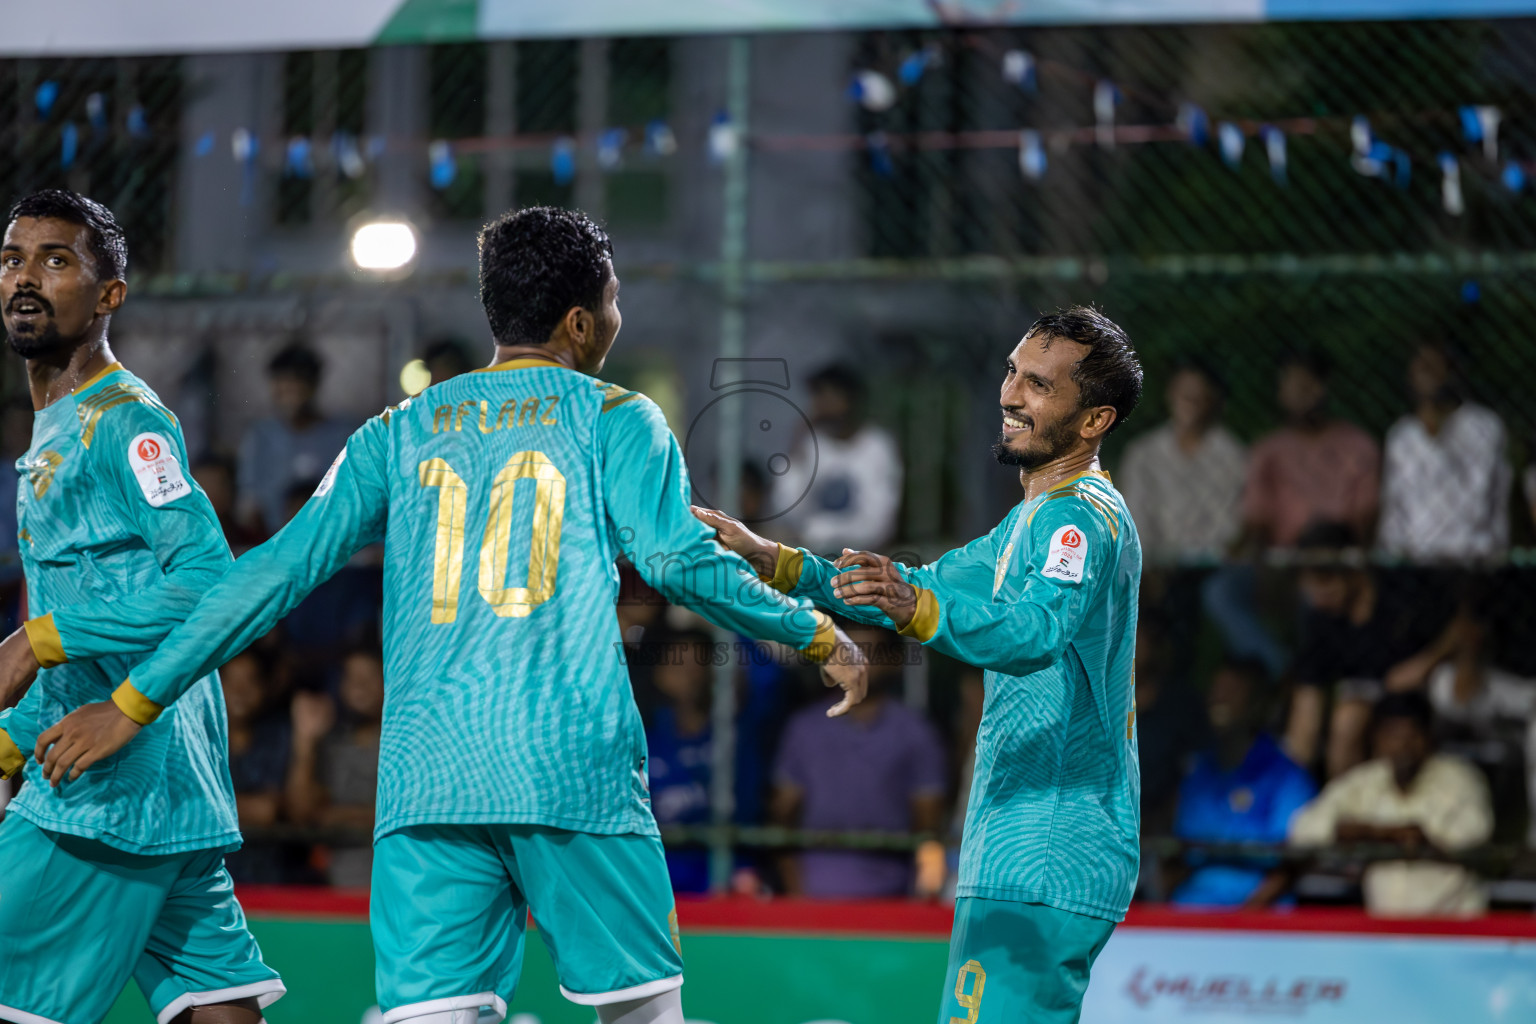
[1046,604]
[118,544]
[503,497]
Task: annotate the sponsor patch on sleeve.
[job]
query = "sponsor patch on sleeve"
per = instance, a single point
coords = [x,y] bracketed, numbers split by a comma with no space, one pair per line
[1067,556]
[156,469]
[329,480]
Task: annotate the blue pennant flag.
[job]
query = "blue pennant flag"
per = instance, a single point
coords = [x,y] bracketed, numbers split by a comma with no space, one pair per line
[872,90]
[1032,161]
[1019,70]
[299,161]
[138,123]
[610,148]
[1230,138]
[1274,148]
[915,64]
[1513,176]
[45,97]
[659,140]
[69,145]
[880,154]
[562,160]
[444,168]
[96,111]
[1194,123]
[205,143]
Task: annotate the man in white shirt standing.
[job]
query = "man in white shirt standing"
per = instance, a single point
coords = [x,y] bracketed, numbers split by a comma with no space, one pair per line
[1446,475]
[1183,480]
[845,481]
[1416,798]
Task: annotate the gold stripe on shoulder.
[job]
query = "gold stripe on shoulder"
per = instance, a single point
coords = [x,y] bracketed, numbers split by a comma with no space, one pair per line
[90,414]
[614,403]
[109,368]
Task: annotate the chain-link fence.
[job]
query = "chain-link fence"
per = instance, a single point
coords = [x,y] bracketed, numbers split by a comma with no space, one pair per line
[1328,226]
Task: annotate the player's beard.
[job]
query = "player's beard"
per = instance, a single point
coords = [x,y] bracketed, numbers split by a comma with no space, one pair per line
[36,343]
[1048,444]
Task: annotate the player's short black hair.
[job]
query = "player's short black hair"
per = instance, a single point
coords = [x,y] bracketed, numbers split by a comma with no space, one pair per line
[1322,535]
[109,246]
[535,264]
[1408,704]
[296,360]
[1110,374]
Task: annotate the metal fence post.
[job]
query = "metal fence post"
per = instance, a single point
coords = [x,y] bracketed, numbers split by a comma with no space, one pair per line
[733,251]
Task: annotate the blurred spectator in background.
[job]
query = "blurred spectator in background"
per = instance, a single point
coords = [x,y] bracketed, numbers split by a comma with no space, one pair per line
[446,358]
[1171,725]
[1244,789]
[333,777]
[1183,481]
[259,751]
[1446,478]
[880,767]
[1363,633]
[1411,796]
[297,443]
[216,475]
[679,744]
[1315,468]
[855,494]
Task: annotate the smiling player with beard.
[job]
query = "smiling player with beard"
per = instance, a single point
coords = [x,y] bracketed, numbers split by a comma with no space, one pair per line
[120,875]
[1046,603]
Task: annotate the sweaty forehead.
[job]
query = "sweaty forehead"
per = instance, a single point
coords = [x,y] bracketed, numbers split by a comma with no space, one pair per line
[31,233]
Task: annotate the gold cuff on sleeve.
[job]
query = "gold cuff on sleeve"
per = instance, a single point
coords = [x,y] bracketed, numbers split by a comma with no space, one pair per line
[786,572]
[12,760]
[925,621]
[134,704]
[821,645]
[47,645]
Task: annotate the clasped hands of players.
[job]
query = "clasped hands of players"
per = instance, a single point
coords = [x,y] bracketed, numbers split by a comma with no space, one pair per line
[869,579]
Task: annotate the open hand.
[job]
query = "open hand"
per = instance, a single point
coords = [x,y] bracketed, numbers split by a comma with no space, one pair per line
[86,735]
[874,580]
[762,553]
[18,667]
[847,667]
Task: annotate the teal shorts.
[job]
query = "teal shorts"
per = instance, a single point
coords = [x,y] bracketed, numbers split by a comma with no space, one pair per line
[450,909]
[1012,962]
[78,919]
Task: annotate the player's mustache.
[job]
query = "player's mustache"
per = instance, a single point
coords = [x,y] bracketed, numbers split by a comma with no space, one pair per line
[1020,415]
[43,304]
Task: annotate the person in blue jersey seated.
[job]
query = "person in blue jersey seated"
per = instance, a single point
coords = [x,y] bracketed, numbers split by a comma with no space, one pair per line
[1046,603]
[1244,789]
[679,740]
[511,753]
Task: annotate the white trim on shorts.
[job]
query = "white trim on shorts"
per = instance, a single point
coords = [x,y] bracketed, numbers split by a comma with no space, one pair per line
[23,1017]
[266,992]
[410,1010]
[641,991]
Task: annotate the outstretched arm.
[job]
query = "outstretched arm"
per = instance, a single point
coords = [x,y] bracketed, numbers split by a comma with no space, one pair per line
[1011,637]
[346,514]
[646,485]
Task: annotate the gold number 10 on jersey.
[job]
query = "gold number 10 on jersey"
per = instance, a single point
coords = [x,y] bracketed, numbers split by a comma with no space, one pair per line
[495,545]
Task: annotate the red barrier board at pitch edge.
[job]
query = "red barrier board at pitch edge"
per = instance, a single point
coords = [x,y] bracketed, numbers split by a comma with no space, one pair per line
[793,962]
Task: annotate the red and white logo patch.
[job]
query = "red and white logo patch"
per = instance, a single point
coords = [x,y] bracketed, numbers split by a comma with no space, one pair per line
[154,465]
[1067,556]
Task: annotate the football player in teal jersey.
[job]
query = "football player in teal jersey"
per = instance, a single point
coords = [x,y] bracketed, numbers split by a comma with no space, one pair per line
[1046,604]
[121,874]
[512,763]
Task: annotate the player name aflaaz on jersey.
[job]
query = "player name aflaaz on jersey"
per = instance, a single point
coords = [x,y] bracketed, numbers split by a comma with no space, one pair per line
[155,468]
[514,412]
